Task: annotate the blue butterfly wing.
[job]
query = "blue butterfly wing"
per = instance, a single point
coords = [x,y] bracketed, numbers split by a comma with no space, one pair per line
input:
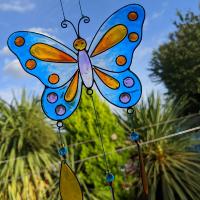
[43,69]
[127,94]
[116,56]
[54,104]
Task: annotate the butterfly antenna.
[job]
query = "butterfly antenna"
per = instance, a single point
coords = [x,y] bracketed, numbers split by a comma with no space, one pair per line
[65,22]
[83,18]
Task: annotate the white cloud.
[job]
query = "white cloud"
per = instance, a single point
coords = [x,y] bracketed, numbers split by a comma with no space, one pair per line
[5,51]
[14,68]
[158,14]
[17,6]
[44,31]
[143,52]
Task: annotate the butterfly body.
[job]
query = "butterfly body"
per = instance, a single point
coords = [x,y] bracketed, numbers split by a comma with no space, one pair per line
[106,63]
[85,68]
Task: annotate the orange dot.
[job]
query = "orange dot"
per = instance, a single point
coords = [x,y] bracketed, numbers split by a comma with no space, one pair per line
[19,41]
[53,78]
[30,64]
[132,16]
[121,60]
[133,37]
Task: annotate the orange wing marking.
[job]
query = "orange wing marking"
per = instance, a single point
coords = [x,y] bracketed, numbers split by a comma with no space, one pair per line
[19,41]
[48,53]
[107,80]
[112,37]
[73,87]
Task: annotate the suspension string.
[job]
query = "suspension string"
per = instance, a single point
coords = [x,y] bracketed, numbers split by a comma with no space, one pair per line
[63,12]
[63,150]
[81,8]
[100,135]
[59,126]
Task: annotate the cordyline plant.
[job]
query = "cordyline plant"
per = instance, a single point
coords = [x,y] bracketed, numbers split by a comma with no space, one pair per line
[27,150]
[172,166]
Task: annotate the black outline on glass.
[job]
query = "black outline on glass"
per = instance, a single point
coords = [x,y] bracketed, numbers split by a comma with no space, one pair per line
[129,86]
[103,38]
[52,93]
[63,162]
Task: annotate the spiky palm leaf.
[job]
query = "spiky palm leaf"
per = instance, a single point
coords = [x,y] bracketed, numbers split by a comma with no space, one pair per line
[173,169]
[27,144]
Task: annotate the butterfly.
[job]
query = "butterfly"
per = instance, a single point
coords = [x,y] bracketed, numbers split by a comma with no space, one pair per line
[105,63]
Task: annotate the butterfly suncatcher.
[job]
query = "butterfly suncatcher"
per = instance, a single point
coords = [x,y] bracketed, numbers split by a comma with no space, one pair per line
[106,63]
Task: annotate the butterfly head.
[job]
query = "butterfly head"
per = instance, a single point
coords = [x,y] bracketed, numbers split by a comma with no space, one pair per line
[80,44]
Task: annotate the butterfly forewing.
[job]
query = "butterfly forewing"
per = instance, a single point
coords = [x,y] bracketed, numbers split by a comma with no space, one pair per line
[113,45]
[43,57]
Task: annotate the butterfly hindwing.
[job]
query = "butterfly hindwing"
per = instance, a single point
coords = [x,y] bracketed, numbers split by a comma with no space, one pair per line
[43,57]
[60,103]
[121,89]
[113,46]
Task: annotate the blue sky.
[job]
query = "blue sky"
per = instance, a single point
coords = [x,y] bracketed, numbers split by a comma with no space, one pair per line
[45,17]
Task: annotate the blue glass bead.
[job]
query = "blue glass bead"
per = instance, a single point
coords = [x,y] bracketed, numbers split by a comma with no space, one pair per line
[63,151]
[110,178]
[135,136]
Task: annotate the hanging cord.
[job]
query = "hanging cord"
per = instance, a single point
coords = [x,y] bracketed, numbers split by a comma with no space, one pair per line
[109,176]
[100,135]
[63,12]
[83,18]
[62,150]
[65,22]
[192,130]
[136,138]
[81,8]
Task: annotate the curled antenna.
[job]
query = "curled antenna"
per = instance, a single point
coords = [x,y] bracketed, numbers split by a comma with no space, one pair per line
[65,22]
[85,19]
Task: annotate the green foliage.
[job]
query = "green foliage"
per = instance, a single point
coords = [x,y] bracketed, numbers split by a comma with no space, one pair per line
[177,62]
[82,126]
[27,143]
[173,169]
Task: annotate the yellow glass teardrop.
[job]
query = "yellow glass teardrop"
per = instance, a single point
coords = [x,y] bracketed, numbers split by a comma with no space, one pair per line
[69,184]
